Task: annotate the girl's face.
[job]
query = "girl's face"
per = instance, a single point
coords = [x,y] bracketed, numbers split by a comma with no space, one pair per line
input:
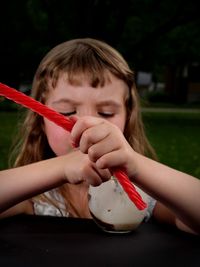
[107,102]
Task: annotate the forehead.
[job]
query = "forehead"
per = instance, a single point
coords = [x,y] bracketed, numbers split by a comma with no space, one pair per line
[81,88]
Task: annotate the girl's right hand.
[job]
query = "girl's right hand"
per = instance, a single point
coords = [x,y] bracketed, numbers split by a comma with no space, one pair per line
[78,168]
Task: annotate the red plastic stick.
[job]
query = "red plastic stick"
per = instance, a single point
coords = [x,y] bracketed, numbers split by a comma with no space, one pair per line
[67,124]
[130,189]
[36,106]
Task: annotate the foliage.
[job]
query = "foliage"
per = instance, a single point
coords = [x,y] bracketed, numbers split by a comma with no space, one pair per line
[7,105]
[149,33]
[157,97]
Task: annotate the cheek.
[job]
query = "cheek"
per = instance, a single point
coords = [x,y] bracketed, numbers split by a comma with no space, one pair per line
[120,124]
[119,121]
[59,140]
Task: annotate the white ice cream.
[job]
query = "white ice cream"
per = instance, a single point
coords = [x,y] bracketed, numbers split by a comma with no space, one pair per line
[112,209]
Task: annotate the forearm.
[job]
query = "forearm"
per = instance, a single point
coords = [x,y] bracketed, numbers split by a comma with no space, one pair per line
[20,183]
[178,191]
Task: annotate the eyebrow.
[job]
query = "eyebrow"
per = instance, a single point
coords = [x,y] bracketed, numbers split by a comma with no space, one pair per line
[64,100]
[99,103]
[109,103]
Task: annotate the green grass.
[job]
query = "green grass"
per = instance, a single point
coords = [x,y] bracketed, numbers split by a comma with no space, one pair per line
[8,130]
[175,137]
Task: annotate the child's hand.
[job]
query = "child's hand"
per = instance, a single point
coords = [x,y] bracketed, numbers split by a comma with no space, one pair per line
[104,143]
[78,168]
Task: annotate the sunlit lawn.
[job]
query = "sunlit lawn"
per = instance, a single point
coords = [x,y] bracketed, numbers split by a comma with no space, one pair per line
[175,136]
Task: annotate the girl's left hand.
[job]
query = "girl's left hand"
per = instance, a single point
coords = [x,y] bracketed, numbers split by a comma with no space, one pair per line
[104,143]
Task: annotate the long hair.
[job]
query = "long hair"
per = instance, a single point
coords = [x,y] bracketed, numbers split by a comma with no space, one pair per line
[79,58]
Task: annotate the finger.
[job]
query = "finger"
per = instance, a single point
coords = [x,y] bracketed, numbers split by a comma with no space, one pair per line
[104,146]
[105,174]
[111,160]
[92,136]
[81,125]
[91,176]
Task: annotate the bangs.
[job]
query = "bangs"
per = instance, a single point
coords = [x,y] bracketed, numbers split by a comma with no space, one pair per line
[86,62]
[83,66]
[80,61]
[96,76]
[83,60]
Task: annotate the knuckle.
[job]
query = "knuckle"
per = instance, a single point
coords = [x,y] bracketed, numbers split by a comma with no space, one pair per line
[85,121]
[92,154]
[102,163]
[84,142]
[87,136]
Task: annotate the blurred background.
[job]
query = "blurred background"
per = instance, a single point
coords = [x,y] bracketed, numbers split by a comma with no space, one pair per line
[159,39]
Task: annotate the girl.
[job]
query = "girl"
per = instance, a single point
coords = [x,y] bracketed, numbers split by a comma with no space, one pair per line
[88,79]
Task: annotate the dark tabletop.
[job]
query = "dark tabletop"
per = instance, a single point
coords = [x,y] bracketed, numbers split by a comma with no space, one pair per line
[49,241]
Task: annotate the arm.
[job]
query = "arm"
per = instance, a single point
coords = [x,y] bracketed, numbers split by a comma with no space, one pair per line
[178,192]
[19,184]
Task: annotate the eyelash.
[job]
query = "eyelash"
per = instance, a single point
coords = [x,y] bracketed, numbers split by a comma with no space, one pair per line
[68,113]
[105,115]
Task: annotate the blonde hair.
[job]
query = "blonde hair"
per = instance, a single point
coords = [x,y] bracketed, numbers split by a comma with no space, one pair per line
[79,57]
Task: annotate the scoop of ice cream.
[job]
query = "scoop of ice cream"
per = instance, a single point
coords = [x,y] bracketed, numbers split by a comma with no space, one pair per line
[112,209]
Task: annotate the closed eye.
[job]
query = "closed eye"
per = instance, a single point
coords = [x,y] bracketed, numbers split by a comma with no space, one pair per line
[68,113]
[106,114]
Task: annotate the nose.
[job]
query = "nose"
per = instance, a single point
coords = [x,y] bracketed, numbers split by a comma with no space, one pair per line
[87,112]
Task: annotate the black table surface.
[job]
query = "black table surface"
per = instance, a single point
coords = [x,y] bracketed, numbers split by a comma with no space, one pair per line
[51,241]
